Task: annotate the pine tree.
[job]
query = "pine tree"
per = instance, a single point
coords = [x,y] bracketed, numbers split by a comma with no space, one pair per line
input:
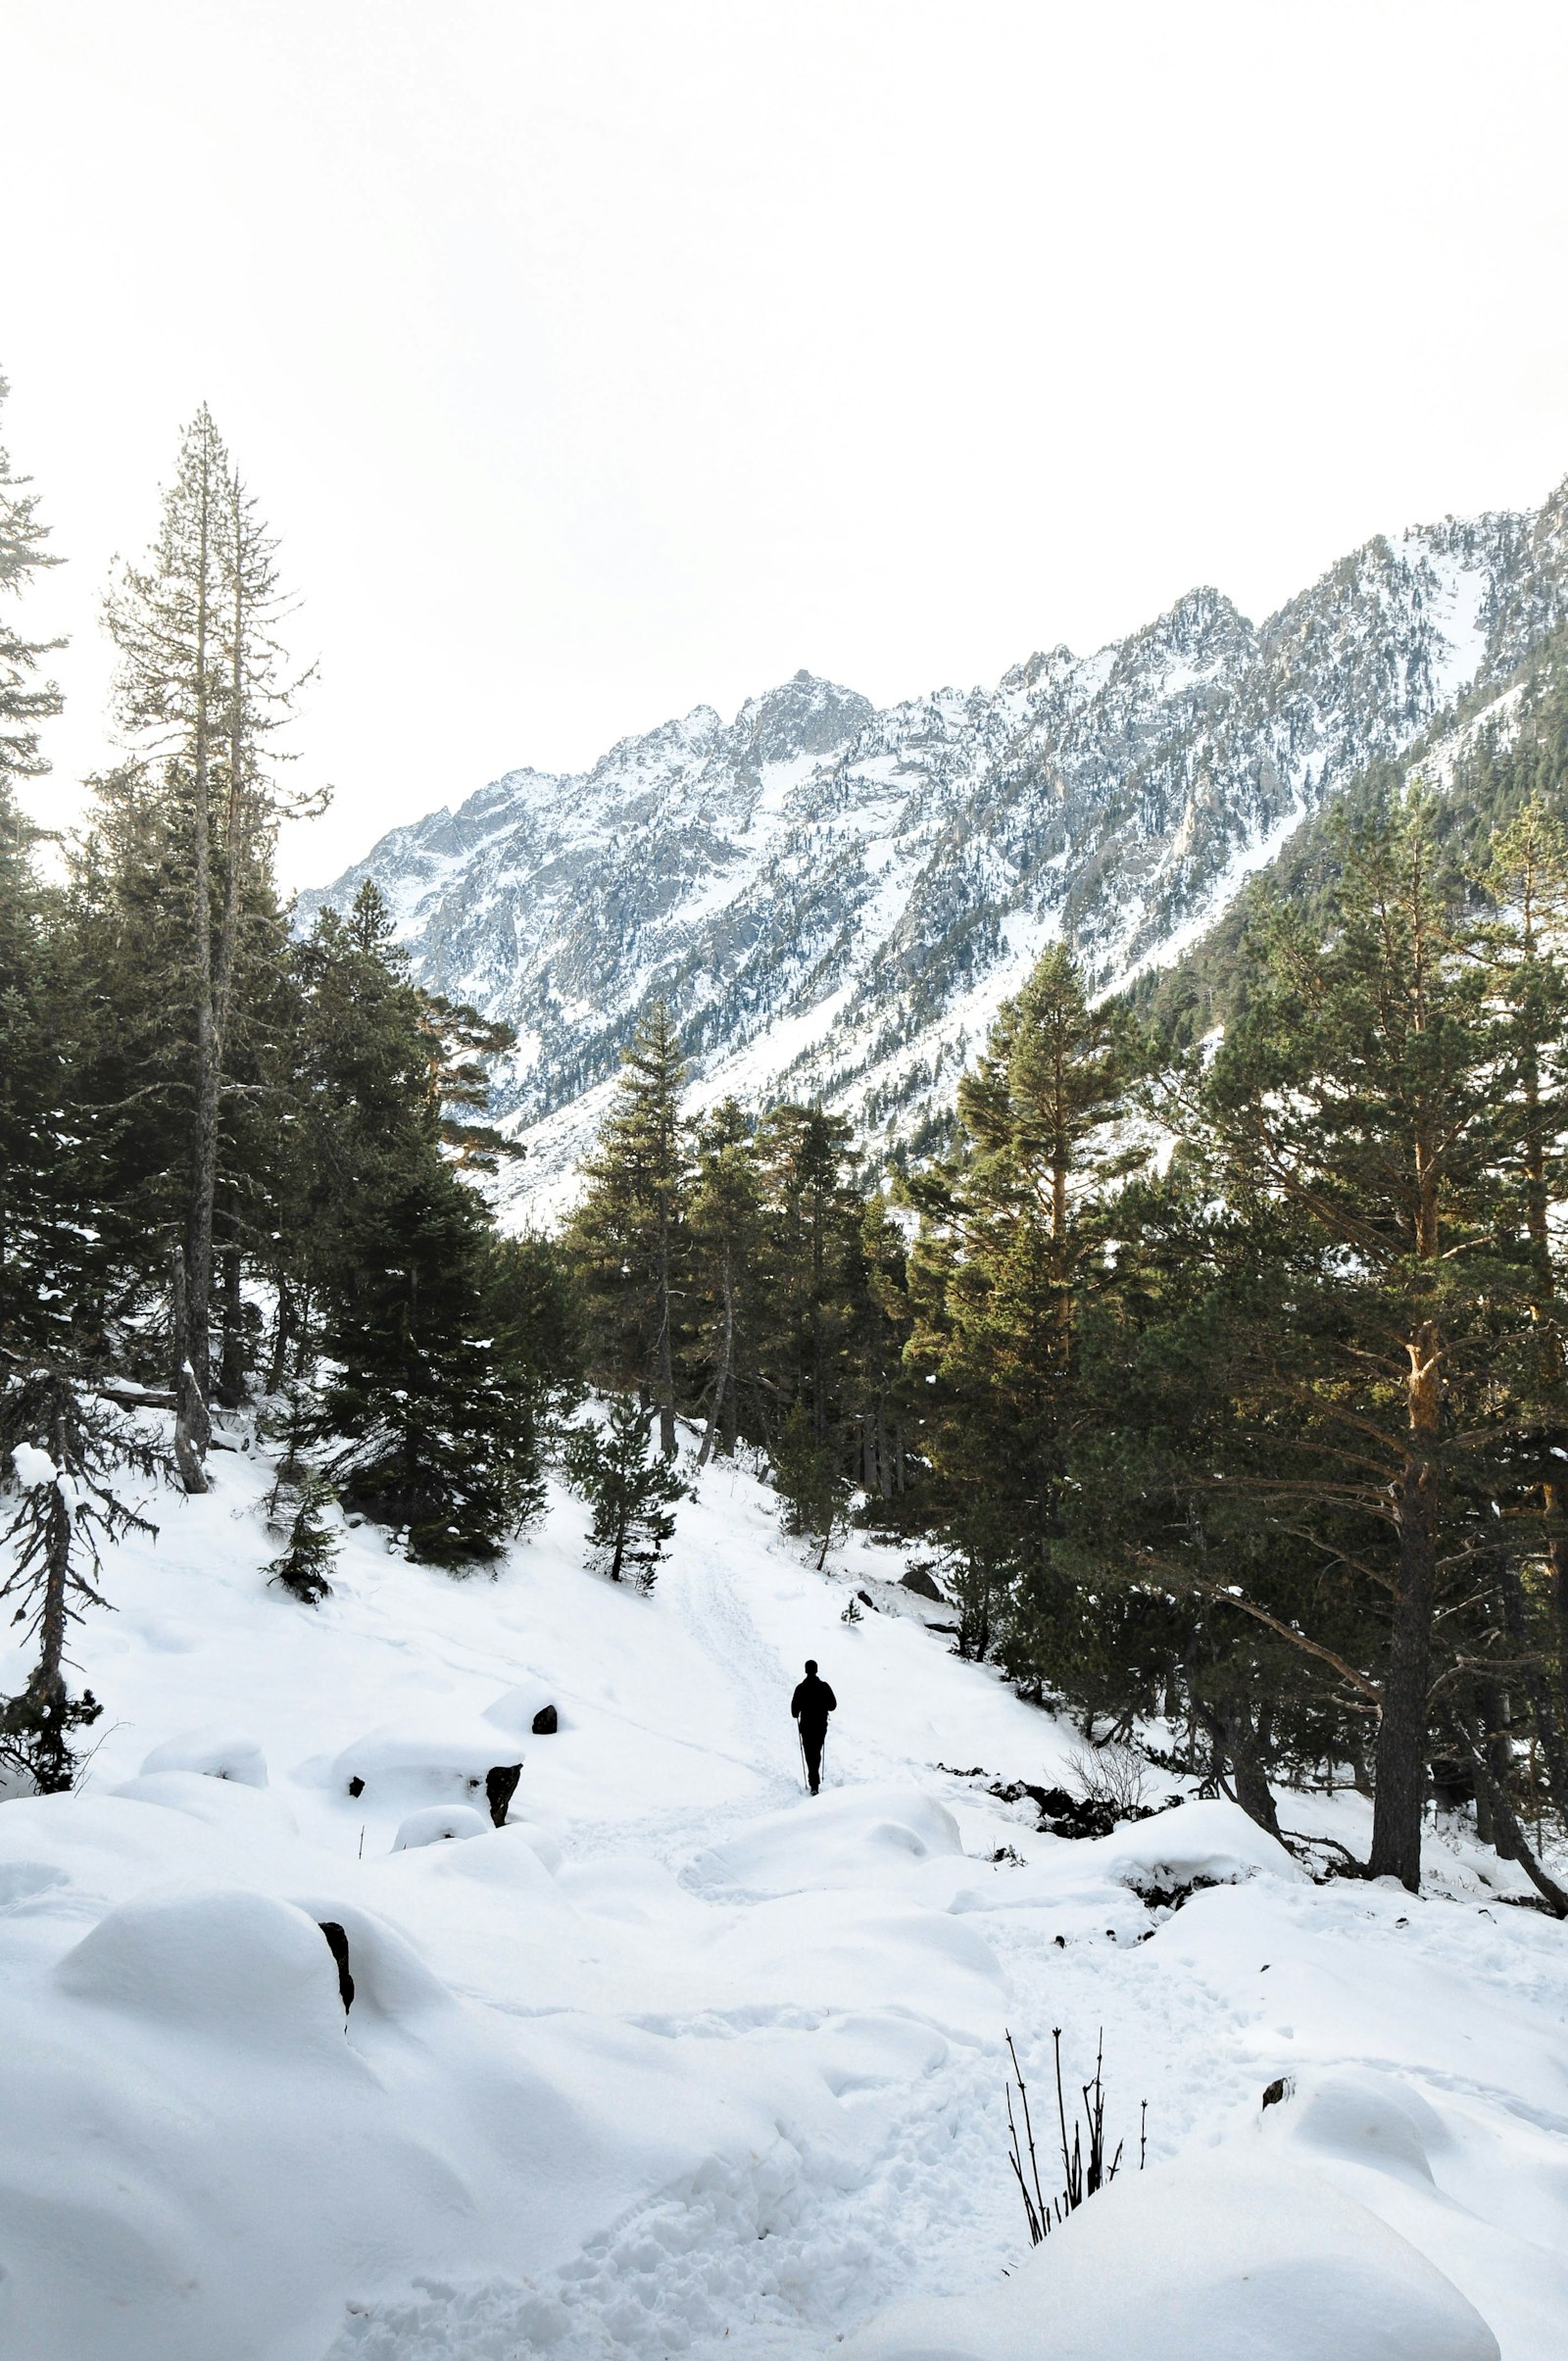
[201,692]
[1365,1095]
[432,1422]
[809,1479]
[46,1251]
[810,1263]
[303,1565]
[725,1229]
[65,1454]
[632,1495]
[23,701]
[628,1235]
[1009,1230]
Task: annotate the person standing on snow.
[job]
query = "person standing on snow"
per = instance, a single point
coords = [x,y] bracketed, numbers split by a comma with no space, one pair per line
[814,1700]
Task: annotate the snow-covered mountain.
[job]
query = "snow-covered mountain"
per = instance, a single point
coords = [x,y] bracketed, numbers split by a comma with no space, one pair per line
[834,899]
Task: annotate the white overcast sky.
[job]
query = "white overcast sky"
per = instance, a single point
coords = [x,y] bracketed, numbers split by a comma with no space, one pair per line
[594,359]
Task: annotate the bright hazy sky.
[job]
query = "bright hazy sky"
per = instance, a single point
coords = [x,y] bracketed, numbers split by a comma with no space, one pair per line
[594,359]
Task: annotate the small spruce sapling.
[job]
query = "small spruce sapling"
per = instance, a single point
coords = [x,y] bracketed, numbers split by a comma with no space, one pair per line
[310,1546]
[297,1505]
[632,1493]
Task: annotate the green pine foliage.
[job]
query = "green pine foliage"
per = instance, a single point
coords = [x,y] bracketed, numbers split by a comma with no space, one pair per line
[631,1489]
[629,1238]
[303,1566]
[809,1479]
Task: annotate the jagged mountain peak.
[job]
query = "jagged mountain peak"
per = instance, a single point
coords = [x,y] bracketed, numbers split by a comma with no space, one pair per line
[833,898]
[804,715]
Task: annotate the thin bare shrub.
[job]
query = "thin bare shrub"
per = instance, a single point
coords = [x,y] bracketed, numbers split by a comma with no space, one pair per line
[1115,1774]
[1084,2170]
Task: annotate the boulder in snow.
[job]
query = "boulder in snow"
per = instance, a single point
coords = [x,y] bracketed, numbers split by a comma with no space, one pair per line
[213,1752]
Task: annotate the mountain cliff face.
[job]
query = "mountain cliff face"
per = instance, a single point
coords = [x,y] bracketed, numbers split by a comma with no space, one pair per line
[833,900]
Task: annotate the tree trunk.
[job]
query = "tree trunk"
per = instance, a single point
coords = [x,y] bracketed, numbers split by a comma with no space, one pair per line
[722,1387]
[1508,1830]
[665,1347]
[1537,1687]
[1402,1743]
[232,1366]
[192,1426]
[1497,1750]
[1234,1731]
[282,1337]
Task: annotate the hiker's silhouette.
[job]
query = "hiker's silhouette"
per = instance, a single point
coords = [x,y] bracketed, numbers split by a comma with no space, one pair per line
[814,1700]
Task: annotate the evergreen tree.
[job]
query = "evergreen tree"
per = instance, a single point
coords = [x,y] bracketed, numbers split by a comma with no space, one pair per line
[25,700]
[809,1477]
[46,1250]
[201,692]
[65,1454]
[726,1236]
[434,1424]
[628,1235]
[879,1380]
[631,1492]
[1009,1233]
[1365,1099]
[809,1261]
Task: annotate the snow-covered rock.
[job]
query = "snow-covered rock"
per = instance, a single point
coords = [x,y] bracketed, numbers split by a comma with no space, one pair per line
[216,1753]
[409,1760]
[438,1822]
[1210,1839]
[524,1705]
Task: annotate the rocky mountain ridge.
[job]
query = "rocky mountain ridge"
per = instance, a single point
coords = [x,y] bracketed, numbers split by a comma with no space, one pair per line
[834,899]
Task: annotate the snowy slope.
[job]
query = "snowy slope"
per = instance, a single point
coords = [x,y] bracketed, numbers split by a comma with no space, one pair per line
[834,899]
[682,2061]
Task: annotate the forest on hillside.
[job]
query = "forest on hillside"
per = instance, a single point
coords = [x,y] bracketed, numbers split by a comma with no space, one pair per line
[1218,1372]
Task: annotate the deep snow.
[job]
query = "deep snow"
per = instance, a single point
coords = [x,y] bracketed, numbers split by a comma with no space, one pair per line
[681,2061]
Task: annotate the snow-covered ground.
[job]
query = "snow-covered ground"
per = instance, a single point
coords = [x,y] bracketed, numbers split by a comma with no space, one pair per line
[682,2061]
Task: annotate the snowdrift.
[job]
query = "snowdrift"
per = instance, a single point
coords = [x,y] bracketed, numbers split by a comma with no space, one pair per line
[1227,2260]
[680,2060]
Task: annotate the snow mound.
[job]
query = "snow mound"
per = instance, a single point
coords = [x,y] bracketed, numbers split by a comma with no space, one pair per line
[1211,1839]
[216,1753]
[850,1837]
[438,1822]
[518,1708]
[254,1972]
[1354,2115]
[406,1761]
[1236,2258]
[217,1803]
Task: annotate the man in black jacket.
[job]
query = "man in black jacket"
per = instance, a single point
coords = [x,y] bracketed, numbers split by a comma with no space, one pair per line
[814,1700]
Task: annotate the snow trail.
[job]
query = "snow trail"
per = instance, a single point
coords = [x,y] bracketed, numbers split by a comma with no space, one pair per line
[683,2061]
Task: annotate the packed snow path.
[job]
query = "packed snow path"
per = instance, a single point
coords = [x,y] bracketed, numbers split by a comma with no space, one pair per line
[682,2061]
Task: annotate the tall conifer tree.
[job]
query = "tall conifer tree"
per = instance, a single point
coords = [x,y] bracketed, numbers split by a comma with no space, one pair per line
[628,1236]
[200,691]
